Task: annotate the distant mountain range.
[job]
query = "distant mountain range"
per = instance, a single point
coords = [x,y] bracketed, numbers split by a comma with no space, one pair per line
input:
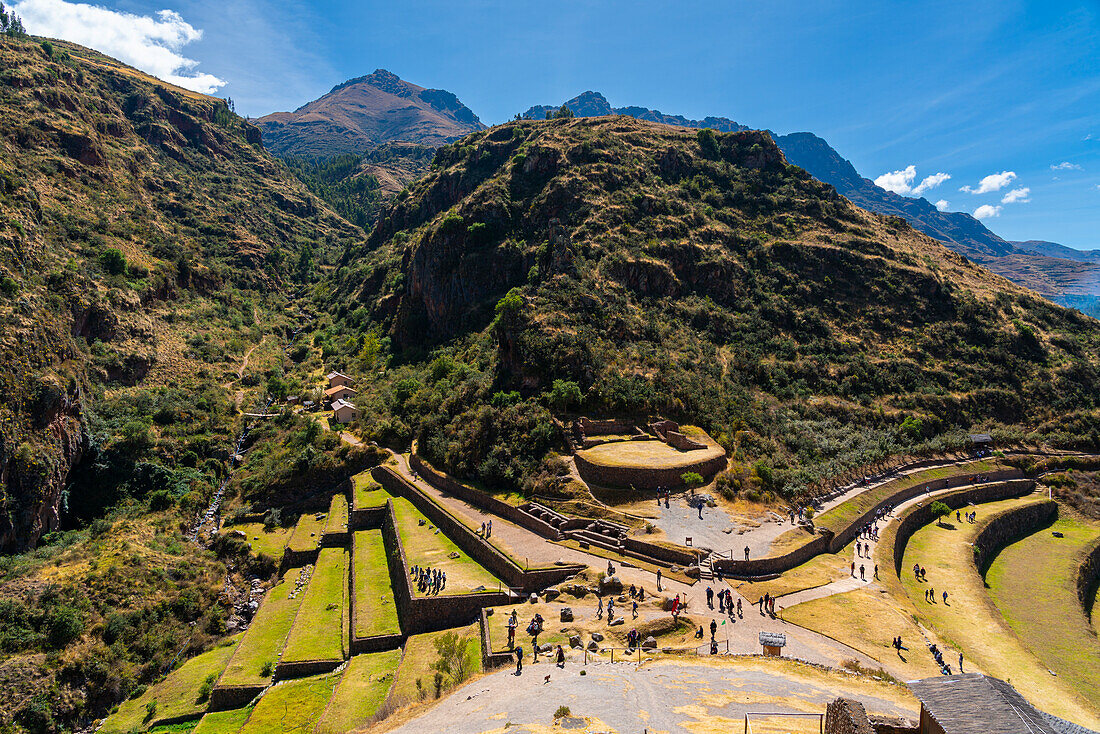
[364,113]
[594,104]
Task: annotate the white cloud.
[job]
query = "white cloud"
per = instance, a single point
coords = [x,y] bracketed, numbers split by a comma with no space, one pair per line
[150,43]
[942,205]
[901,182]
[992,182]
[1065,166]
[897,181]
[985,211]
[1017,196]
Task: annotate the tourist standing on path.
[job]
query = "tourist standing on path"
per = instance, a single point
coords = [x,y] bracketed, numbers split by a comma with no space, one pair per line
[519,660]
[862,574]
[710,597]
[512,630]
[634,609]
[876,570]
[713,628]
[960,661]
[658,579]
[561,657]
[746,553]
[739,614]
[853,569]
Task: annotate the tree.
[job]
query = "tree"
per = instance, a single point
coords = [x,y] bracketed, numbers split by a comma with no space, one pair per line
[708,142]
[691,478]
[113,261]
[564,394]
[561,113]
[940,511]
[453,659]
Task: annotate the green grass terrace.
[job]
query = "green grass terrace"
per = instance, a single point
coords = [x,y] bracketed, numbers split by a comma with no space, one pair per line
[375,610]
[319,626]
[293,706]
[360,693]
[266,636]
[337,521]
[308,531]
[266,541]
[223,722]
[366,492]
[426,547]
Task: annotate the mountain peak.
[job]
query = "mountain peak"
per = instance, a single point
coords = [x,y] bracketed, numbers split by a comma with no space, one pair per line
[382,79]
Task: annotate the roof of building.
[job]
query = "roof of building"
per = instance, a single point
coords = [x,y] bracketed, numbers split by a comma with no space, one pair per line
[341,404]
[341,388]
[334,375]
[976,704]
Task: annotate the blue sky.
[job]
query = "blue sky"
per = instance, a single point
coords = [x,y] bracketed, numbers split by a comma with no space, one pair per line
[967,89]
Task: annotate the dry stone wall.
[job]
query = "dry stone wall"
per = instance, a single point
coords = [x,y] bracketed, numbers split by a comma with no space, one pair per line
[1088,575]
[845,716]
[1007,527]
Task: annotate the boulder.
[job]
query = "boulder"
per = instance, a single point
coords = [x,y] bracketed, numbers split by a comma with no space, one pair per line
[649,644]
[597,637]
[238,534]
[575,641]
[592,646]
[692,572]
[551,594]
[617,621]
[611,585]
[534,598]
[566,614]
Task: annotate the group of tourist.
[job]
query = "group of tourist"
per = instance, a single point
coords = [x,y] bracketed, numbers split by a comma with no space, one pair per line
[429,580]
[487,529]
[725,602]
[767,605]
[863,571]
[937,655]
[664,494]
[970,517]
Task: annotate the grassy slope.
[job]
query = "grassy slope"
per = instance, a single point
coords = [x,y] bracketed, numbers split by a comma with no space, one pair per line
[176,695]
[360,693]
[1033,582]
[431,548]
[269,542]
[420,654]
[375,611]
[293,706]
[337,521]
[318,631]
[971,621]
[266,636]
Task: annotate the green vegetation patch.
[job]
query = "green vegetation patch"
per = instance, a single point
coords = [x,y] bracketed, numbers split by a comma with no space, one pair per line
[223,722]
[308,531]
[375,610]
[184,691]
[265,638]
[426,546]
[263,540]
[295,705]
[337,515]
[360,693]
[1033,583]
[318,632]
[423,659]
[367,493]
[847,512]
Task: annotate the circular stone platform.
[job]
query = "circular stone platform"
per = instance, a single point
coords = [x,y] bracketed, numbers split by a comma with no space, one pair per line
[647,464]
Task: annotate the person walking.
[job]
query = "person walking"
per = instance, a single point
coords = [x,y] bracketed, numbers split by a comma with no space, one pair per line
[960,661]
[746,553]
[599,608]
[490,528]
[876,570]
[634,609]
[658,579]
[560,657]
[853,569]
[945,599]
[519,661]
[713,628]
[862,575]
[739,614]
[710,597]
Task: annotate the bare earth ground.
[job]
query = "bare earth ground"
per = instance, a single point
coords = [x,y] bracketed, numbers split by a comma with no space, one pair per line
[667,695]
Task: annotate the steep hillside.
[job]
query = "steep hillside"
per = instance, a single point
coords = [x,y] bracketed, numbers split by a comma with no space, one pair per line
[616,266]
[1051,271]
[363,113]
[145,232]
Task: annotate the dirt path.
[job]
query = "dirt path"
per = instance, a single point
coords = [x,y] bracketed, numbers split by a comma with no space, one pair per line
[244,362]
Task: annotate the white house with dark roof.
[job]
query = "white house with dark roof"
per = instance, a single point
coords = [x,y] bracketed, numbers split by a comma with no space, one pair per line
[344,412]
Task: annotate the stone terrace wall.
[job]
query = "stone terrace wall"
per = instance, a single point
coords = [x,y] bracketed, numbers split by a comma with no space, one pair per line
[297,559]
[1088,575]
[1007,527]
[848,534]
[367,518]
[917,517]
[606,426]
[480,499]
[302,668]
[660,552]
[373,643]
[757,567]
[845,716]
[677,440]
[490,659]
[645,478]
[224,698]
[470,542]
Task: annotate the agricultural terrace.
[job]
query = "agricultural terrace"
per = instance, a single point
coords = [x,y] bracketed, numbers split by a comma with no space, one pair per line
[223,722]
[1033,583]
[360,693]
[421,657]
[851,510]
[427,546]
[318,631]
[264,639]
[818,571]
[971,623]
[296,705]
[650,454]
[181,693]
[308,531]
[366,492]
[337,521]
[266,541]
[375,610]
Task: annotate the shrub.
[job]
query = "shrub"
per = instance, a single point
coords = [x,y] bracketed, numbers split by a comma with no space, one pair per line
[562,712]
[8,286]
[691,478]
[207,687]
[150,710]
[113,261]
[940,510]
[268,669]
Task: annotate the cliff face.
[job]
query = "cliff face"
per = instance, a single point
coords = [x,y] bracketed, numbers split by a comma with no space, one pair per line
[364,113]
[127,206]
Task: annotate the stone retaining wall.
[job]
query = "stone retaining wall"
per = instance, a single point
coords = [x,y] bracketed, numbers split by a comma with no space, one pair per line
[302,668]
[224,698]
[376,643]
[636,547]
[917,517]
[1088,575]
[605,426]
[297,559]
[639,477]
[367,518]
[757,567]
[849,533]
[845,716]
[677,440]
[479,499]
[1007,527]
[490,659]
[373,643]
